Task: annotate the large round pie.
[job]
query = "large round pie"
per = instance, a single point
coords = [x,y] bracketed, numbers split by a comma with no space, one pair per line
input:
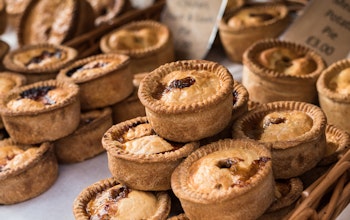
[54,21]
[85,142]
[276,70]
[39,62]
[218,179]
[109,199]
[139,158]
[188,100]
[103,79]
[148,43]
[26,171]
[242,27]
[294,131]
[42,111]
[333,88]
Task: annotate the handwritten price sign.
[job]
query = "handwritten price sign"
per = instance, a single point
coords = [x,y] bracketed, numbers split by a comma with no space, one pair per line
[325,27]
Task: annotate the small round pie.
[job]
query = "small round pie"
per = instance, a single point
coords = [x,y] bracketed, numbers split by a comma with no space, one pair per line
[287,193]
[242,27]
[188,100]
[106,10]
[333,88]
[131,107]
[42,111]
[26,171]
[218,179]
[294,131]
[338,143]
[103,79]
[148,43]
[54,21]
[40,61]
[276,70]
[109,199]
[85,141]
[141,159]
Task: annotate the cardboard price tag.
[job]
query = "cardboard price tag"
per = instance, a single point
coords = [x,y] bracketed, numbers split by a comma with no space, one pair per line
[194,25]
[325,27]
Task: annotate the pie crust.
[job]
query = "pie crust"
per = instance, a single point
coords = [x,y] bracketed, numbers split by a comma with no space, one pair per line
[294,131]
[103,79]
[47,110]
[252,23]
[139,158]
[266,84]
[181,216]
[39,62]
[132,104]
[32,174]
[333,88]
[204,180]
[287,193]
[159,201]
[4,49]
[54,21]
[9,81]
[148,43]
[188,100]
[106,10]
[85,142]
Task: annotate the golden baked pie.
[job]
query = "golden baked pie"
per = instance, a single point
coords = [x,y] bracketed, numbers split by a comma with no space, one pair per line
[277,70]
[242,27]
[4,49]
[333,88]
[132,103]
[338,143]
[109,199]
[14,10]
[141,159]
[148,43]
[294,131]
[26,171]
[106,10]
[47,110]
[3,16]
[103,79]
[223,177]
[9,81]
[287,192]
[40,61]
[188,100]
[85,141]
[54,21]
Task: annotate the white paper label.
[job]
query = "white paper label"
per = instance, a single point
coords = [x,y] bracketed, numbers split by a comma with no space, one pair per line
[194,25]
[325,27]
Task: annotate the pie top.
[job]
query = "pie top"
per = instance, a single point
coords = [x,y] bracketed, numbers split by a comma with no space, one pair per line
[9,80]
[141,139]
[93,67]
[38,98]
[286,61]
[11,156]
[253,16]
[36,57]
[54,22]
[179,87]
[224,169]
[136,38]
[340,83]
[6,84]
[283,126]
[121,202]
